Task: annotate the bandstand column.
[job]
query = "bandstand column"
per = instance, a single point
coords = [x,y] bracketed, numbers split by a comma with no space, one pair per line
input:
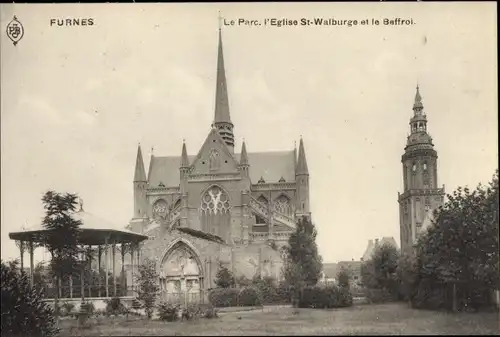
[114,268]
[122,278]
[82,277]
[90,270]
[21,249]
[99,253]
[107,264]
[32,266]
[132,267]
[71,286]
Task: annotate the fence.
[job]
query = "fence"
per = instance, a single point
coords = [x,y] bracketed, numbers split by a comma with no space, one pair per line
[94,291]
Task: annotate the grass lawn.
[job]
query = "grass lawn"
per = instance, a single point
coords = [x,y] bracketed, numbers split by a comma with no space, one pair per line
[380,319]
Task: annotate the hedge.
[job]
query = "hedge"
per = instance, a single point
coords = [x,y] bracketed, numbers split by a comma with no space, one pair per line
[329,296]
[234,297]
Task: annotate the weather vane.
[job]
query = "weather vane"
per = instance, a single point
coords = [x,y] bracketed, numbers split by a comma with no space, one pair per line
[220,19]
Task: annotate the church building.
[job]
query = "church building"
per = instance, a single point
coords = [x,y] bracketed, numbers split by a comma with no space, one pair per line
[421,195]
[220,206]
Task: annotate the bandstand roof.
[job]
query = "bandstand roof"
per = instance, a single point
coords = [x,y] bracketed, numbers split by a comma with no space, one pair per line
[94,231]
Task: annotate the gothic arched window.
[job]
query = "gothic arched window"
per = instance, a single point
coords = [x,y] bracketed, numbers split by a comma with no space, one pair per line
[414,167]
[214,159]
[282,204]
[215,212]
[160,208]
[262,199]
[215,201]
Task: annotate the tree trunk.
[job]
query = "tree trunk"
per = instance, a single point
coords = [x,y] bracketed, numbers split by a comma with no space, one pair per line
[454,308]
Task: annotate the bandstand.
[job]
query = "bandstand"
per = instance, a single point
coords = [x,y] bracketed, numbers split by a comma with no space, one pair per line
[98,239]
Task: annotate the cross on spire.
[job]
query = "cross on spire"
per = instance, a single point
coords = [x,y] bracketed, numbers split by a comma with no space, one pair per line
[219,17]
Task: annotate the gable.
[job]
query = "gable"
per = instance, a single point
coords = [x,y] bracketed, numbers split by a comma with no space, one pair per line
[214,157]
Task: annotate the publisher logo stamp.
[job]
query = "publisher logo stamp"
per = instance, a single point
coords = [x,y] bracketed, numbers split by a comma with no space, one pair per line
[15,30]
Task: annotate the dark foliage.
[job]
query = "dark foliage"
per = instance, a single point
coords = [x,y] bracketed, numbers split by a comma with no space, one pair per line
[148,288]
[224,297]
[343,278]
[168,312]
[325,297]
[23,311]
[303,264]
[249,296]
[456,264]
[224,278]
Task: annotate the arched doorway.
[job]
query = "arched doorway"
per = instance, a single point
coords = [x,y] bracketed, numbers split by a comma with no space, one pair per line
[181,274]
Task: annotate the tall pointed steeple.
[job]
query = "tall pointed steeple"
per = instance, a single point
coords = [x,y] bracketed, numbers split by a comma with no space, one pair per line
[222,119]
[140,173]
[244,155]
[184,157]
[302,162]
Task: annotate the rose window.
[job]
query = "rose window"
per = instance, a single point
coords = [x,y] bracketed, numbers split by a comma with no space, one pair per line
[215,201]
[160,209]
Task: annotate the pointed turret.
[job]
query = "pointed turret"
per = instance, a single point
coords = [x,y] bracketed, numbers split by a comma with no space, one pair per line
[244,156]
[140,187]
[222,119]
[140,173]
[302,162]
[417,105]
[302,181]
[184,157]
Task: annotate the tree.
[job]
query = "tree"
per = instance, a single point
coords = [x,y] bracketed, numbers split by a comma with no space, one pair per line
[23,311]
[147,286]
[224,278]
[62,236]
[461,247]
[380,271]
[343,278]
[303,264]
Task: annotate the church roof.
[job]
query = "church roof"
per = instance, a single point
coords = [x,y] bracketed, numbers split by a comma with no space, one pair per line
[271,166]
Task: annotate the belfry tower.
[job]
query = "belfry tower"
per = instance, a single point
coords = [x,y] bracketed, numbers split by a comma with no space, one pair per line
[421,195]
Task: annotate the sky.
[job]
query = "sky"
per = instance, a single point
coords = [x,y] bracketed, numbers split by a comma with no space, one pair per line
[77,100]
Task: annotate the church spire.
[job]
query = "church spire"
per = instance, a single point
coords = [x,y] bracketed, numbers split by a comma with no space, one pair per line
[222,119]
[244,155]
[302,162]
[140,173]
[184,157]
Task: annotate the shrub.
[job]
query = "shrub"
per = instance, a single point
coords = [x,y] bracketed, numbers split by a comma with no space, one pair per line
[168,312]
[209,311]
[114,306]
[325,297]
[249,296]
[378,295]
[224,278]
[23,311]
[224,297]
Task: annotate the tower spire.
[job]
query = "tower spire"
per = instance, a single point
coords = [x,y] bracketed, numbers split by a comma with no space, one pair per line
[302,162]
[417,105]
[140,173]
[244,155]
[184,157]
[222,119]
